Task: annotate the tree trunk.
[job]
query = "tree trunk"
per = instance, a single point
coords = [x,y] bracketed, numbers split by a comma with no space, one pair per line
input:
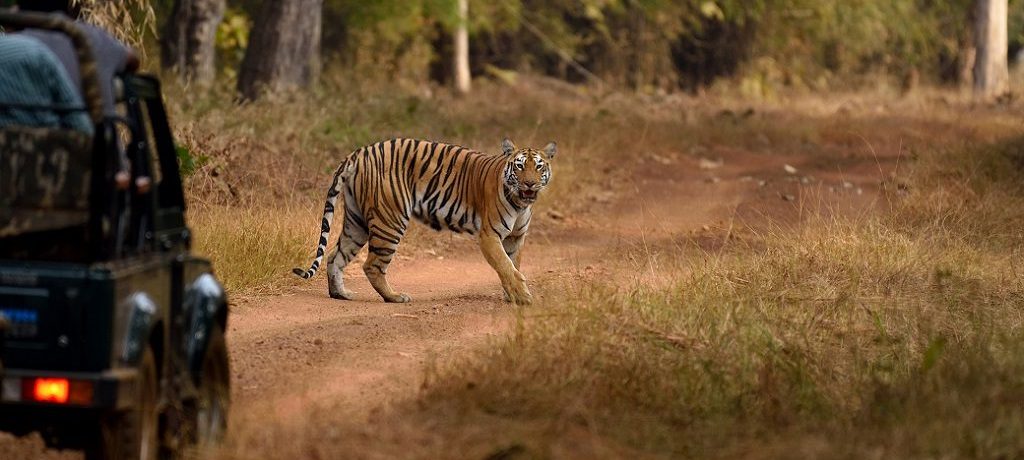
[991,75]
[188,47]
[462,75]
[966,51]
[965,71]
[284,48]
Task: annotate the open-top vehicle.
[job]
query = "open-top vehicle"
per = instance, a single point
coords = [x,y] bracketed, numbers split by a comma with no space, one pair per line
[113,335]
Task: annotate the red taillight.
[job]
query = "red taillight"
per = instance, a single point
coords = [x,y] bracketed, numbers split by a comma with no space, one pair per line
[54,390]
[51,390]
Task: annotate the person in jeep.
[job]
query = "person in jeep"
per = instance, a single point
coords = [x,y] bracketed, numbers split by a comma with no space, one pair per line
[112,57]
[35,89]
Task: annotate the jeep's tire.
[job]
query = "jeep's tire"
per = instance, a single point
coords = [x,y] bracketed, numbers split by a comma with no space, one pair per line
[134,433]
[214,399]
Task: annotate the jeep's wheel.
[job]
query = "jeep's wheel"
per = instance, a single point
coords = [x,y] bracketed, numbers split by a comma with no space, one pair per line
[211,416]
[133,434]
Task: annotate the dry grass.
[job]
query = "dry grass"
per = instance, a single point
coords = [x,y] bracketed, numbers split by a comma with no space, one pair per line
[254,249]
[897,335]
[890,334]
[130,21]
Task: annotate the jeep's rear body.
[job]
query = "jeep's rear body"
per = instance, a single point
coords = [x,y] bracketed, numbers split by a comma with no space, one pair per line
[95,269]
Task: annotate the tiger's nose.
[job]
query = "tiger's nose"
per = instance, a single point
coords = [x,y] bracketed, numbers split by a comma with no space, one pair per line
[529,183]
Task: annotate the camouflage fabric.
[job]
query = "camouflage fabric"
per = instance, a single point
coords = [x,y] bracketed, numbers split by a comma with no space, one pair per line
[45,178]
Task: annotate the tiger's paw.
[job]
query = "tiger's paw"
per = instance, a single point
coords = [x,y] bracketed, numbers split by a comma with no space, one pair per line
[519,295]
[345,294]
[398,298]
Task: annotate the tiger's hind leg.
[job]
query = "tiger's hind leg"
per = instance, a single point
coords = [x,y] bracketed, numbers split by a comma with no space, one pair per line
[353,237]
[383,244]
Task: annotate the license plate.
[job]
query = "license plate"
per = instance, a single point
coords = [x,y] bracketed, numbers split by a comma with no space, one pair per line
[22,323]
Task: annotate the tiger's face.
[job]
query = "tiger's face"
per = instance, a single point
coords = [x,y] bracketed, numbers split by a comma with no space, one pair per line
[527,171]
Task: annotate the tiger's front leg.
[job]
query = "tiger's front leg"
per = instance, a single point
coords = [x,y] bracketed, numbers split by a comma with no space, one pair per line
[513,245]
[512,280]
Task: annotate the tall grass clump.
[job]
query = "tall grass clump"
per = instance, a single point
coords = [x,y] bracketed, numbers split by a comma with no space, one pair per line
[896,335]
[253,249]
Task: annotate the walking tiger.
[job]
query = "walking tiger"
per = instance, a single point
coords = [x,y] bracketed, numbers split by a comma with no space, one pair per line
[442,185]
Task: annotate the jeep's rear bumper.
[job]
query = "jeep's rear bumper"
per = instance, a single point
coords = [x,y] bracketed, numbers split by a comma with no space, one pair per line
[112,390]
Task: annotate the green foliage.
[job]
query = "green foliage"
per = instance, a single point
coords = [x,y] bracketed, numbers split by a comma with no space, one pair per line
[1016,25]
[188,162]
[649,44]
[232,39]
[387,37]
[855,36]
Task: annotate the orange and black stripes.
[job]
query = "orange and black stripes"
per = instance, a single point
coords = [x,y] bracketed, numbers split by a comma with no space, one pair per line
[444,186]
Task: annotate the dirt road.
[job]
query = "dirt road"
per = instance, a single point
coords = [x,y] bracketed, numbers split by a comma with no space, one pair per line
[302,352]
[304,364]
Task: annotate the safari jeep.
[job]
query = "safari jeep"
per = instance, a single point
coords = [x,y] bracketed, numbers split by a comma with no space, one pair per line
[113,333]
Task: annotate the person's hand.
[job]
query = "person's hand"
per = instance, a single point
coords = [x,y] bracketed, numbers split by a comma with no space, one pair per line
[132,63]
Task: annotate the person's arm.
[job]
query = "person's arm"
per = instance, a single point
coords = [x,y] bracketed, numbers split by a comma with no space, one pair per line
[124,57]
[128,61]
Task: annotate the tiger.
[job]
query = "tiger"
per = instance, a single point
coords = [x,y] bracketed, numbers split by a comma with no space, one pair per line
[444,186]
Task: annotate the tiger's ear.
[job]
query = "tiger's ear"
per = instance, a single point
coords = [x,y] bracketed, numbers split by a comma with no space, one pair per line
[551,149]
[507,147]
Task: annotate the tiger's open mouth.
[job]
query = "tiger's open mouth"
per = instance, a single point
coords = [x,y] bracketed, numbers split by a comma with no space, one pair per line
[528,195]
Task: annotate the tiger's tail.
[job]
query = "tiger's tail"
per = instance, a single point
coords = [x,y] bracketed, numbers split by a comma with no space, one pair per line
[343,173]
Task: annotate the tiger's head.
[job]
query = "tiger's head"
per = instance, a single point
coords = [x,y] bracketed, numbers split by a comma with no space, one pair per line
[527,171]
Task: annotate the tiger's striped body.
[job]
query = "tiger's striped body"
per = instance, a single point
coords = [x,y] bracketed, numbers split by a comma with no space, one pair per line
[387,184]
